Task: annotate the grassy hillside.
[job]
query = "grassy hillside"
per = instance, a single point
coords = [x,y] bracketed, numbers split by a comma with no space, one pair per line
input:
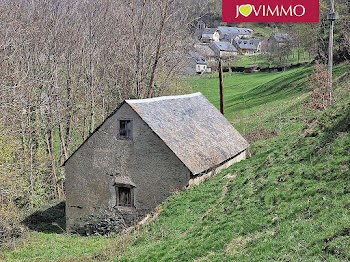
[262,100]
[262,60]
[290,201]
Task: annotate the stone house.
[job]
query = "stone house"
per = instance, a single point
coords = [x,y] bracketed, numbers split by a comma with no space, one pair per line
[202,65]
[224,50]
[278,40]
[248,46]
[205,51]
[210,35]
[230,33]
[197,64]
[142,153]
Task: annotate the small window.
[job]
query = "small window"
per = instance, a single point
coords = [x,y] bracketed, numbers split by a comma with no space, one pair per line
[124,196]
[125,129]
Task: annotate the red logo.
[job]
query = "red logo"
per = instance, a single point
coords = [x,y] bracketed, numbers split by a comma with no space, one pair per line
[283,11]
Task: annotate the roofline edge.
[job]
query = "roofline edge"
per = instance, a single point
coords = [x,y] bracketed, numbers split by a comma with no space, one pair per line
[161,98]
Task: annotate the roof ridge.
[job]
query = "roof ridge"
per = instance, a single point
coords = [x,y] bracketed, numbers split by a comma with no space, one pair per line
[162,98]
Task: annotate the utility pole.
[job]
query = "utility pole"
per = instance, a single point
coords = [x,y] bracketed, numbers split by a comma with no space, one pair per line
[221,88]
[332,16]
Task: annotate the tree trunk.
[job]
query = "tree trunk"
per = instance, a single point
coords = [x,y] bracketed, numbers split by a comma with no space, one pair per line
[159,46]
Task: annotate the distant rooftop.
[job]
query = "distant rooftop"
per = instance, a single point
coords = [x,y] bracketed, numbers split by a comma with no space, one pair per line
[248,44]
[204,50]
[209,31]
[235,30]
[281,37]
[198,58]
[225,46]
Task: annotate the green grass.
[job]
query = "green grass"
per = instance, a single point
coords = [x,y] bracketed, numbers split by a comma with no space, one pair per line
[290,201]
[52,247]
[258,100]
[262,60]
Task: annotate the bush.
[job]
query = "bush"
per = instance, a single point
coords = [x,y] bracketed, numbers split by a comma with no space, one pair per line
[318,82]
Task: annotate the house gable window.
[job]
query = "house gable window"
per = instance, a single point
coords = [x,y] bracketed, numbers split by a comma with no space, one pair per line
[124,195]
[125,129]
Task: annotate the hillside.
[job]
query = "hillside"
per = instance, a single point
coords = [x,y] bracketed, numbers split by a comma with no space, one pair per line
[263,62]
[288,202]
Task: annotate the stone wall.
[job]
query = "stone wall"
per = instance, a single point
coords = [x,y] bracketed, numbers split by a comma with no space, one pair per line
[145,161]
[206,176]
[107,221]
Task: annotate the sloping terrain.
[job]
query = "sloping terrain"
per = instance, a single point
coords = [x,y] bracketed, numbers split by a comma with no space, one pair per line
[290,201]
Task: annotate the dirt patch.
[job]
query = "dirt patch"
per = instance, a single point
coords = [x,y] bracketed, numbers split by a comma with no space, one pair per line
[206,258]
[259,134]
[236,245]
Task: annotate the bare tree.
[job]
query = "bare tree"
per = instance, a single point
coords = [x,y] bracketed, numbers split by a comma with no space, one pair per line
[65,65]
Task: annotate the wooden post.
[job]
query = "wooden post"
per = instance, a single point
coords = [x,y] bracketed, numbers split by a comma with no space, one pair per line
[330,57]
[221,88]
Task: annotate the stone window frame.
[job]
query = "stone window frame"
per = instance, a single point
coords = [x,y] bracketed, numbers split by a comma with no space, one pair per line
[130,137]
[132,195]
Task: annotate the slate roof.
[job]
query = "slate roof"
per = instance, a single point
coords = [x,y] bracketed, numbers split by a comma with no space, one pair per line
[198,134]
[235,30]
[209,31]
[248,44]
[281,37]
[204,50]
[224,46]
[229,33]
[198,58]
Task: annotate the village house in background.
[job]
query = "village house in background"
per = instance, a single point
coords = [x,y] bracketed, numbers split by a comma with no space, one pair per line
[142,153]
[278,40]
[210,35]
[224,50]
[227,42]
[198,64]
[205,51]
[230,33]
[248,46]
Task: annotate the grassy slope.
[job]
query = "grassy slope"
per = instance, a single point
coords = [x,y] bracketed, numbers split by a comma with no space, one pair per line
[263,62]
[253,101]
[290,201]
[248,94]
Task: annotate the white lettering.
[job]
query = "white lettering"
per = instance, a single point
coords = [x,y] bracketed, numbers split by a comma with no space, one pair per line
[289,10]
[237,12]
[257,12]
[272,12]
[295,10]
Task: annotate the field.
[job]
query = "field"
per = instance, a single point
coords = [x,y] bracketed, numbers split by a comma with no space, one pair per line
[262,60]
[290,201]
